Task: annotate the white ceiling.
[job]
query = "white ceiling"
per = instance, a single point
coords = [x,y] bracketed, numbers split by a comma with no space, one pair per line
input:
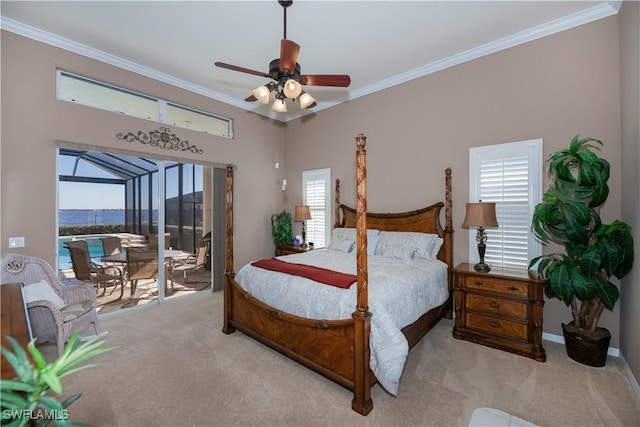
[378,43]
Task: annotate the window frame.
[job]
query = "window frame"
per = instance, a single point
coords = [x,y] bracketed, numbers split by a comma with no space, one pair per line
[315,174]
[533,151]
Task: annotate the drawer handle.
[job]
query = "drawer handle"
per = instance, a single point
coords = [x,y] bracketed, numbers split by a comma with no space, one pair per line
[513,288]
[494,304]
[494,324]
[477,283]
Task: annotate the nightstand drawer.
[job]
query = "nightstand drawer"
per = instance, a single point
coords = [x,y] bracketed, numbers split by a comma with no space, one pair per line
[496,305]
[497,326]
[503,286]
[501,308]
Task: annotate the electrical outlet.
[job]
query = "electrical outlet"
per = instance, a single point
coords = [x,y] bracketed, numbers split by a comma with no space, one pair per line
[16,242]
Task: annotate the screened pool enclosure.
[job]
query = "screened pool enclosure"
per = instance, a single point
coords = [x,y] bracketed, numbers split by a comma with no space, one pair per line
[103,193]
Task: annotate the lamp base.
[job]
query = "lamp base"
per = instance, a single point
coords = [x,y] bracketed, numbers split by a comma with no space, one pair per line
[481,266]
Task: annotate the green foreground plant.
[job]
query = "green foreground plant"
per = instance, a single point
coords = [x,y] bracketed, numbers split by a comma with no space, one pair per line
[24,400]
[570,216]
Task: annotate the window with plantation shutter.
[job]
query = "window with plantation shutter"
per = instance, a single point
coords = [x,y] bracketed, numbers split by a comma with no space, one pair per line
[511,176]
[316,193]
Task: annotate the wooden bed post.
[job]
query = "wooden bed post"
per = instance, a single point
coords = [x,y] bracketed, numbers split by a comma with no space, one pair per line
[336,221]
[362,402]
[448,237]
[228,273]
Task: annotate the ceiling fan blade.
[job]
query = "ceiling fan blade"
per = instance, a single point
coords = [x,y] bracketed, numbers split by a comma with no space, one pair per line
[340,80]
[251,98]
[289,51]
[242,70]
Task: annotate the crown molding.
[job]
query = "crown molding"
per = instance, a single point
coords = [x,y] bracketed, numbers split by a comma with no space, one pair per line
[89,52]
[571,21]
[580,18]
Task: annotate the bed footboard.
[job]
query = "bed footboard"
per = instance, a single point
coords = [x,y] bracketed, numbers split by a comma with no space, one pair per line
[325,346]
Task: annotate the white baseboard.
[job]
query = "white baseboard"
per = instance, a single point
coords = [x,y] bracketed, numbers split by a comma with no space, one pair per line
[634,383]
[612,351]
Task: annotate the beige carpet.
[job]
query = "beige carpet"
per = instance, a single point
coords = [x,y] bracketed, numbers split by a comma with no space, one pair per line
[146,290]
[174,367]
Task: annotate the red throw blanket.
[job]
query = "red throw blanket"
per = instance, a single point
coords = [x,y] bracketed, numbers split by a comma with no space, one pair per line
[319,274]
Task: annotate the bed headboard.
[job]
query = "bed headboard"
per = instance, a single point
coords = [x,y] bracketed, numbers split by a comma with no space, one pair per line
[425,220]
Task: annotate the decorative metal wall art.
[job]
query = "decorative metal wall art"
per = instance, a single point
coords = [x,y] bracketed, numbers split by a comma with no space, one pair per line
[162,139]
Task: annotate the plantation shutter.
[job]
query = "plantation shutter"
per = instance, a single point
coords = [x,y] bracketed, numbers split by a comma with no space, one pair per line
[316,193]
[509,175]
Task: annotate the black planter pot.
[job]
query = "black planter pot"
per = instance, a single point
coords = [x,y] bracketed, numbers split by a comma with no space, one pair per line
[586,349]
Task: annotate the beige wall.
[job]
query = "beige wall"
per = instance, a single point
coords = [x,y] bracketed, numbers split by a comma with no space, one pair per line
[553,88]
[32,119]
[630,126]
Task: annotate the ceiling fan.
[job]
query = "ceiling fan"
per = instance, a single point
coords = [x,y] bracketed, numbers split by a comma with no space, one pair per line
[285,71]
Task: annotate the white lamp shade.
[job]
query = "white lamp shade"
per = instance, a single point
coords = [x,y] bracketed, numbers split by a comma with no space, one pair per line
[306,100]
[279,105]
[262,94]
[292,89]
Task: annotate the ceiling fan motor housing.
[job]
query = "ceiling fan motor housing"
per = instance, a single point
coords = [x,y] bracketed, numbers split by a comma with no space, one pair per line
[278,75]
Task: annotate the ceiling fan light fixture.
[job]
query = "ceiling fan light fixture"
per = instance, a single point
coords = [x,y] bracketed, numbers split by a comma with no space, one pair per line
[286,75]
[306,100]
[279,106]
[292,89]
[262,94]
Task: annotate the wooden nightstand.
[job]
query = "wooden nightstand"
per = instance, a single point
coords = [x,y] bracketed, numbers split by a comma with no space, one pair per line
[291,249]
[501,308]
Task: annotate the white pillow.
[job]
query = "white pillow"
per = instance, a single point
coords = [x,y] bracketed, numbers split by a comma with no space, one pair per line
[372,242]
[344,233]
[424,245]
[432,253]
[429,245]
[341,244]
[41,290]
[396,251]
[349,233]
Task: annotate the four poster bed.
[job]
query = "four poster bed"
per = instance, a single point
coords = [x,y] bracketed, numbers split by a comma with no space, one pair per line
[348,349]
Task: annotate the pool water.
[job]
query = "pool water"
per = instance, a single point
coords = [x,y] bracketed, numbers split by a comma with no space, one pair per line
[64,258]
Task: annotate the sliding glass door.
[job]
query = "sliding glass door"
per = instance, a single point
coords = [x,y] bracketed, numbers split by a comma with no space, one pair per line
[157,201]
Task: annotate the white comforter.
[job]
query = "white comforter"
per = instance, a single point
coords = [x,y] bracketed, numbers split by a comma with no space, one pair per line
[400,291]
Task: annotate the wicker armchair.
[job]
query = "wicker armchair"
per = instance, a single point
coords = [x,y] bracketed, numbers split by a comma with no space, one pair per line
[48,321]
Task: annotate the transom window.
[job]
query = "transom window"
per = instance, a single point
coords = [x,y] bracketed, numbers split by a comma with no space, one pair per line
[92,93]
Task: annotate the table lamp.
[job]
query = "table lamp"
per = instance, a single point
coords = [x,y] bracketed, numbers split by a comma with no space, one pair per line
[481,215]
[302,214]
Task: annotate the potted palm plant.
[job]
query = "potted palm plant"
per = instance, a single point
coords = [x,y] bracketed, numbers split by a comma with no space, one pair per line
[281,229]
[593,251]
